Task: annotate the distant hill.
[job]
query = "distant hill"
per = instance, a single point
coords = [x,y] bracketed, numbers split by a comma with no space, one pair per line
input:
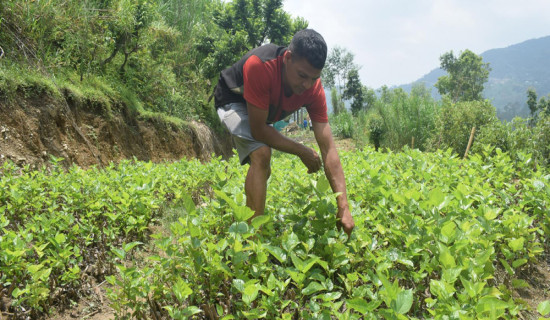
[514,70]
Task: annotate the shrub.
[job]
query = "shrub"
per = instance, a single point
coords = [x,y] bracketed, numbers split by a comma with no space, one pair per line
[343,124]
[454,123]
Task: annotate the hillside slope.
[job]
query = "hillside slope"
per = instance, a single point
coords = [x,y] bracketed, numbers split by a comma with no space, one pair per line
[34,128]
[514,70]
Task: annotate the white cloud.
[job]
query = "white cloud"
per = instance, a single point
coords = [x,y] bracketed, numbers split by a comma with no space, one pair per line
[399,41]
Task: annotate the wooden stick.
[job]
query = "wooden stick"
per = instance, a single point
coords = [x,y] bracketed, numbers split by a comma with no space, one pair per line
[470,142]
[412,143]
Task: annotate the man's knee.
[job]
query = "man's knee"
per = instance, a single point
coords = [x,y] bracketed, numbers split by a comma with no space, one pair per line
[261,158]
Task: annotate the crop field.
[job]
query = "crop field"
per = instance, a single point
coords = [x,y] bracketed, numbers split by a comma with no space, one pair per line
[436,237]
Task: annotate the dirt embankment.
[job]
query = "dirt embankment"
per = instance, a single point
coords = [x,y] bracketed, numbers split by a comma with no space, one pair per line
[34,128]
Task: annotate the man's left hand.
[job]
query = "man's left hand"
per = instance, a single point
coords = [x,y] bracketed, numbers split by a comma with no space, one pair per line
[345,220]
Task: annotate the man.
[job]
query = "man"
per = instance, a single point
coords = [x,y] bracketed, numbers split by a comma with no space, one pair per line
[266,85]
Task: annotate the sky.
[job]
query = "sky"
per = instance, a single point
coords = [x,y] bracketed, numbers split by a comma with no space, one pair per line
[398,41]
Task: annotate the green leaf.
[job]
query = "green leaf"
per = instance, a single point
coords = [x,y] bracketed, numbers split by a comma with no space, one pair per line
[445,257]
[519,283]
[190,311]
[120,253]
[360,305]
[518,263]
[239,227]
[188,204]
[404,301]
[507,267]
[298,263]
[490,214]
[450,275]
[193,225]
[448,232]
[181,290]
[437,199]
[272,282]
[516,244]
[441,289]
[243,213]
[491,304]
[16,293]
[226,198]
[60,238]
[276,252]
[33,268]
[238,284]
[290,242]
[250,293]
[322,185]
[131,245]
[255,314]
[312,287]
[544,308]
[42,275]
[258,221]
[329,296]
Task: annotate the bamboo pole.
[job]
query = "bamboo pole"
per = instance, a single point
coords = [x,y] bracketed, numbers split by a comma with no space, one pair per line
[470,142]
[412,143]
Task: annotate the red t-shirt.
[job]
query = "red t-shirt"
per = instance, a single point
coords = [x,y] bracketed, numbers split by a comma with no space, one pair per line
[258,76]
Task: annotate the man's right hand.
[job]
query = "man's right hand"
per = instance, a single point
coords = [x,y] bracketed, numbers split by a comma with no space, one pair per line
[311,160]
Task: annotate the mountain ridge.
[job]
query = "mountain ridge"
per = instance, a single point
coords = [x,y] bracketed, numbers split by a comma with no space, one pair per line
[514,69]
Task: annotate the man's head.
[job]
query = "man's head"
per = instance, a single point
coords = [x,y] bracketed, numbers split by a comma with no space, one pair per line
[304,61]
[309,44]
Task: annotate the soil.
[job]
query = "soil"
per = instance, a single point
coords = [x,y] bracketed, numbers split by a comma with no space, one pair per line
[36,128]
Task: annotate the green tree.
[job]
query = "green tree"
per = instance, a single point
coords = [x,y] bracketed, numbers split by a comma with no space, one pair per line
[532,101]
[544,105]
[369,98]
[339,64]
[130,22]
[465,77]
[336,100]
[354,91]
[240,26]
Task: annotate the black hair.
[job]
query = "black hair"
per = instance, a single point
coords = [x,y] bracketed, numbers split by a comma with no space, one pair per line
[309,44]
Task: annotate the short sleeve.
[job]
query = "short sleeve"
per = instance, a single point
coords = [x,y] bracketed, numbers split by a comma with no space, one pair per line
[257,87]
[317,110]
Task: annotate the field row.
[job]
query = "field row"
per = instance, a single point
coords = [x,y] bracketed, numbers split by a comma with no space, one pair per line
[436,236]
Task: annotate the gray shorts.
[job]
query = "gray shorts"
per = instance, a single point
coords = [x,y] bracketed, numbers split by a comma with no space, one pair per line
[235,117]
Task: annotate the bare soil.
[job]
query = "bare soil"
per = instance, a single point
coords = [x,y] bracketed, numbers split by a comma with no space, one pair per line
[33,129]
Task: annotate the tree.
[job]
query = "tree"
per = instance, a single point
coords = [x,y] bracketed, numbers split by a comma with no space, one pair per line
[339,64]
[354,90]
[369,98]
[466,76]
[337,103]
[240,26]
[532,101]
[132,20]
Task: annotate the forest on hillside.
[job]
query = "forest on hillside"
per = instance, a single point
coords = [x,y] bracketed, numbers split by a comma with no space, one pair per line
[161,58]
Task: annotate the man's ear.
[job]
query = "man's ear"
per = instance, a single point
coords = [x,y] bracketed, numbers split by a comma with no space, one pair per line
[287,56]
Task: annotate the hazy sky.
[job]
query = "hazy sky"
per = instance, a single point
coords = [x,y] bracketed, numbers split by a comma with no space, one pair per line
[398,41]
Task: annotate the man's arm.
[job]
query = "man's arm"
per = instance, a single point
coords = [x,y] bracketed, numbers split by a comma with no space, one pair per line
[268,135]
[334,173]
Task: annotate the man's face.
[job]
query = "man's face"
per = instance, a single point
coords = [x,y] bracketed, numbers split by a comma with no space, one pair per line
[299,74]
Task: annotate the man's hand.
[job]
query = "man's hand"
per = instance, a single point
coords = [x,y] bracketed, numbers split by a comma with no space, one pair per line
[311,160]
[345,220]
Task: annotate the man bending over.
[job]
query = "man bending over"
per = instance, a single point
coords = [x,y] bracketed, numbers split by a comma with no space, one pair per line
[266,85]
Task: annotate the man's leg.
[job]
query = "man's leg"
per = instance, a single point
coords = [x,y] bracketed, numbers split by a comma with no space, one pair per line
[255,185]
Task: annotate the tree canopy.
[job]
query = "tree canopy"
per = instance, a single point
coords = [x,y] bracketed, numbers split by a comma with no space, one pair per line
[466,76]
